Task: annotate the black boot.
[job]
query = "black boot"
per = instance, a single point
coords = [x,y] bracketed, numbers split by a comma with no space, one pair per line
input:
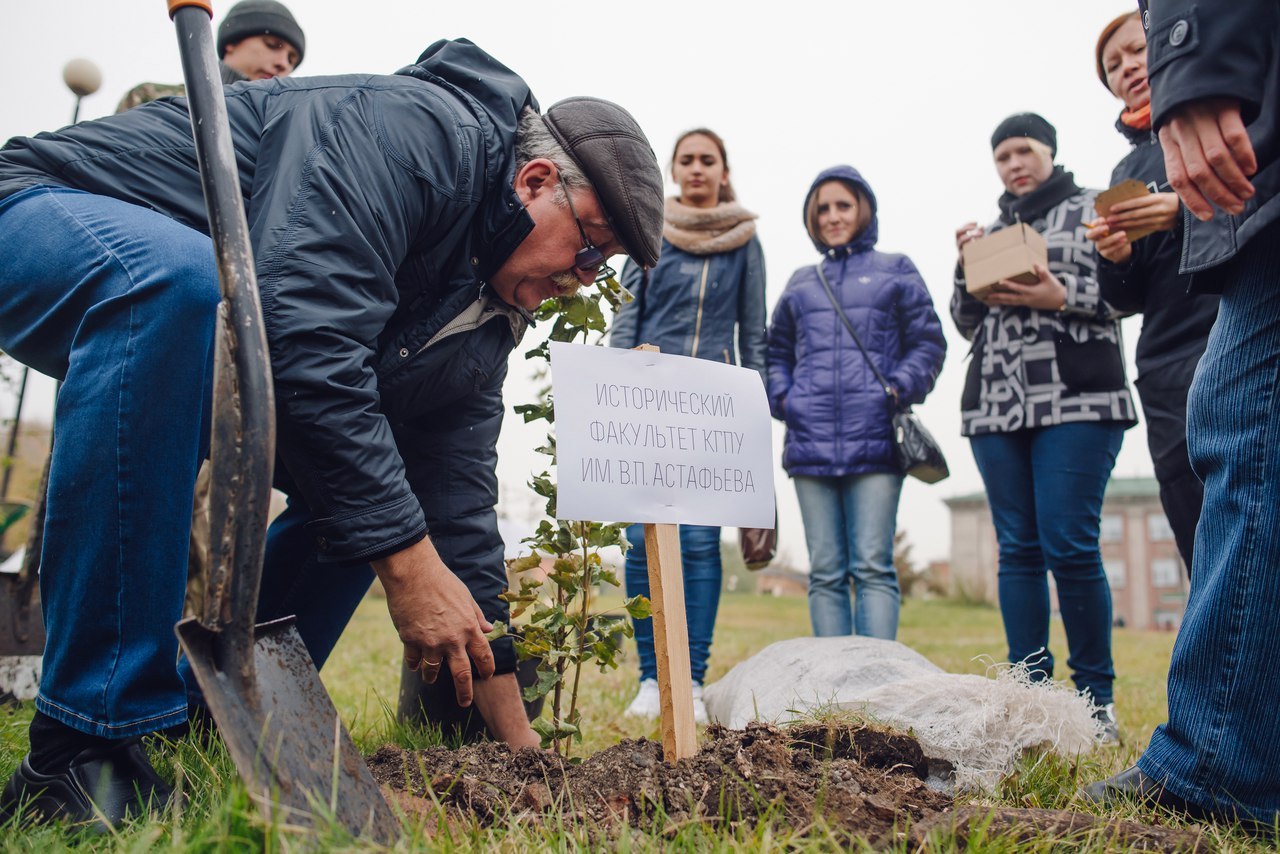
[1133,786]
[102,786]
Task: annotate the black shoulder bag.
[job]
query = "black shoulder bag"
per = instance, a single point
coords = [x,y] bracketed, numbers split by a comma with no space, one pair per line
[918,452]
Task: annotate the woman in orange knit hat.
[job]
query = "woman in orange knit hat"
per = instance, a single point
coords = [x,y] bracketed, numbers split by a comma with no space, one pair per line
[1142,276]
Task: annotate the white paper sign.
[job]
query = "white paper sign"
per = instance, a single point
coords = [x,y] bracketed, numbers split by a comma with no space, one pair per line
[647,437]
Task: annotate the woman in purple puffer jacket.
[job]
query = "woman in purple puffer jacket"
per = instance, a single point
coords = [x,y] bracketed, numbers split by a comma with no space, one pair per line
[839,447]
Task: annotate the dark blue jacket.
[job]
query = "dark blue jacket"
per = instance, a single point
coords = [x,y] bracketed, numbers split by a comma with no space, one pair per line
[376,207]
[1220,50]
[839,420]
[706,306]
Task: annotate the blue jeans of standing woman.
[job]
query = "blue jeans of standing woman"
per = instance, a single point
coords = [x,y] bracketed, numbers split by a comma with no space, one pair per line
[700,559]
[119,303]
[1045,488]
[1221,745]
[849,523]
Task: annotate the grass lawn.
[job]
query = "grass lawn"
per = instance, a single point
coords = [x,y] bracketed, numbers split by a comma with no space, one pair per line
[363,677]
[363,674]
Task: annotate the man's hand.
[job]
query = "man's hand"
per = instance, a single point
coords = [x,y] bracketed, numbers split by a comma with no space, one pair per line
[435,616]
[1154,211]
[1115,247]
[1046,293]
[1208,156]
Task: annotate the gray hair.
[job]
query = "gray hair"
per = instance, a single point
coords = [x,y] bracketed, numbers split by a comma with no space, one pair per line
[534,141]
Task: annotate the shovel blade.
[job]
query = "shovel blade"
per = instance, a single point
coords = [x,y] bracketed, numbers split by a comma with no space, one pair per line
[285,736]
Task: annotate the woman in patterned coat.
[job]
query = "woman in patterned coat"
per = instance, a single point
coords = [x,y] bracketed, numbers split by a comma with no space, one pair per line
[1045,406]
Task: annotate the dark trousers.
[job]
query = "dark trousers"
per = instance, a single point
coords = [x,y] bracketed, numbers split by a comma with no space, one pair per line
[1164,405]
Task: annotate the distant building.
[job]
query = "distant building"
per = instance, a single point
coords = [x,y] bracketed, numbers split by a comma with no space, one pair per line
[782,581]
[1148,582]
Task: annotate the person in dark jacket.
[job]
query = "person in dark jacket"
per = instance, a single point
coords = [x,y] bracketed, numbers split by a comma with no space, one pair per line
[1215,101]
[705,299]
[403,226]
[1045,406]
[1142,276]
[257,40]
[839,445]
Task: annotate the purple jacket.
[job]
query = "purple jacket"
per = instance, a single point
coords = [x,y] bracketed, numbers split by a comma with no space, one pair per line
[839,420]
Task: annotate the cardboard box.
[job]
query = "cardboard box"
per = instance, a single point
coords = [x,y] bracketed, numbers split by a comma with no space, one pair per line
[1123,192]
[1010,253]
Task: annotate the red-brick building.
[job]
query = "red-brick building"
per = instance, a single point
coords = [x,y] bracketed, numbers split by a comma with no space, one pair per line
[1148,581]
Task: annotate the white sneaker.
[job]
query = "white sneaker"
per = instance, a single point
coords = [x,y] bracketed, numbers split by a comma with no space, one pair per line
[1109,733]
[699,707]
[647,702]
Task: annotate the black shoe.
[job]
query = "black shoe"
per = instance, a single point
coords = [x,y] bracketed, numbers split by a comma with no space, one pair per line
[199,726]
[1133,786]
[101,786]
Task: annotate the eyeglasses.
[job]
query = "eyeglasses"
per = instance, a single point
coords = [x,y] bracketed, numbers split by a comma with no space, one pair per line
[589,258]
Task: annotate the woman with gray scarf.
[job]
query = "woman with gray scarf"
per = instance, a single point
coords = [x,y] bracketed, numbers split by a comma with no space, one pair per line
[705,298]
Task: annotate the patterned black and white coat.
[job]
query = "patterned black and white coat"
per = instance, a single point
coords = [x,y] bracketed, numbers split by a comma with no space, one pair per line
[1031,368]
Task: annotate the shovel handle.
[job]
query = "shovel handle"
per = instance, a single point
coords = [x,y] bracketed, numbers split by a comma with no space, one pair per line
[242,441]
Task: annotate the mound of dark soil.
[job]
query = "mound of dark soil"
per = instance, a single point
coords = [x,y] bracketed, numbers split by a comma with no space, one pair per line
[861,779]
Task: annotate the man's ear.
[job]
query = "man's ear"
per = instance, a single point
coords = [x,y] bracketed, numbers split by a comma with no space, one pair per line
[536,177]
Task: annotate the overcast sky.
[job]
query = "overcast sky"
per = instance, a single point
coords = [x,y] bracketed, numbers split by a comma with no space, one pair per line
[907,92]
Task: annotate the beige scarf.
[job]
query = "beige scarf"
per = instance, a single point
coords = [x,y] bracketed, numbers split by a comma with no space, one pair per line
[708,231]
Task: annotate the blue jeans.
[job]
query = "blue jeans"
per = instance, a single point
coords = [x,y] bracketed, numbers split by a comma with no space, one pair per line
[1221,745]
[119,303]
[849,523]
[1045,488]
[700,560]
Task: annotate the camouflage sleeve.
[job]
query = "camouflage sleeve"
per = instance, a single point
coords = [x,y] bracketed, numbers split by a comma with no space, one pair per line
[145,92]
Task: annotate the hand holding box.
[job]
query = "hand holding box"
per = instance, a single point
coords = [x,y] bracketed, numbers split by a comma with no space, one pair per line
[1010,253]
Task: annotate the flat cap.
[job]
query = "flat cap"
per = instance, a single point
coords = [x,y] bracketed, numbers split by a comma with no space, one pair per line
[611,150]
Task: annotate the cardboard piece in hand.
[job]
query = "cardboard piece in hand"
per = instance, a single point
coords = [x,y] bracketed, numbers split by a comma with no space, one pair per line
[1010,253]
[1130,188]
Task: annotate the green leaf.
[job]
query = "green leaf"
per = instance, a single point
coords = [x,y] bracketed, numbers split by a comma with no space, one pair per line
[547,680]
[638,607]
[524,563]
[499,631]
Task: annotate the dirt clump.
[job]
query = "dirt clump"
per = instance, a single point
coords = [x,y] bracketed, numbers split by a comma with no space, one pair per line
[861,779]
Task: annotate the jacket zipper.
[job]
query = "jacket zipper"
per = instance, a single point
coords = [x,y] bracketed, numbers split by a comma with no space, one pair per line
[702,293]
[839,364]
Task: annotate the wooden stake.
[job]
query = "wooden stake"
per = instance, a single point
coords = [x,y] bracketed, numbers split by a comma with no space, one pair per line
[670,636]
[671,641]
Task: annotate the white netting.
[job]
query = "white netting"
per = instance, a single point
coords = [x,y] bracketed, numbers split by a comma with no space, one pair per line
[979,725]
[19,676]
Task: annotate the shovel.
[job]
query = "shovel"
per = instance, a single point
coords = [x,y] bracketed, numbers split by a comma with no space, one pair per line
[21,622]
[264,693]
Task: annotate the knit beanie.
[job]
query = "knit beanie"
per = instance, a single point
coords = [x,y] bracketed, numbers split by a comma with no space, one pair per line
[1026,124]
[260,18]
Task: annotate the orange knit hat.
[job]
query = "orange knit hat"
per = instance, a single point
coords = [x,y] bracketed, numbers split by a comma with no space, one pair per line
[1107,32]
